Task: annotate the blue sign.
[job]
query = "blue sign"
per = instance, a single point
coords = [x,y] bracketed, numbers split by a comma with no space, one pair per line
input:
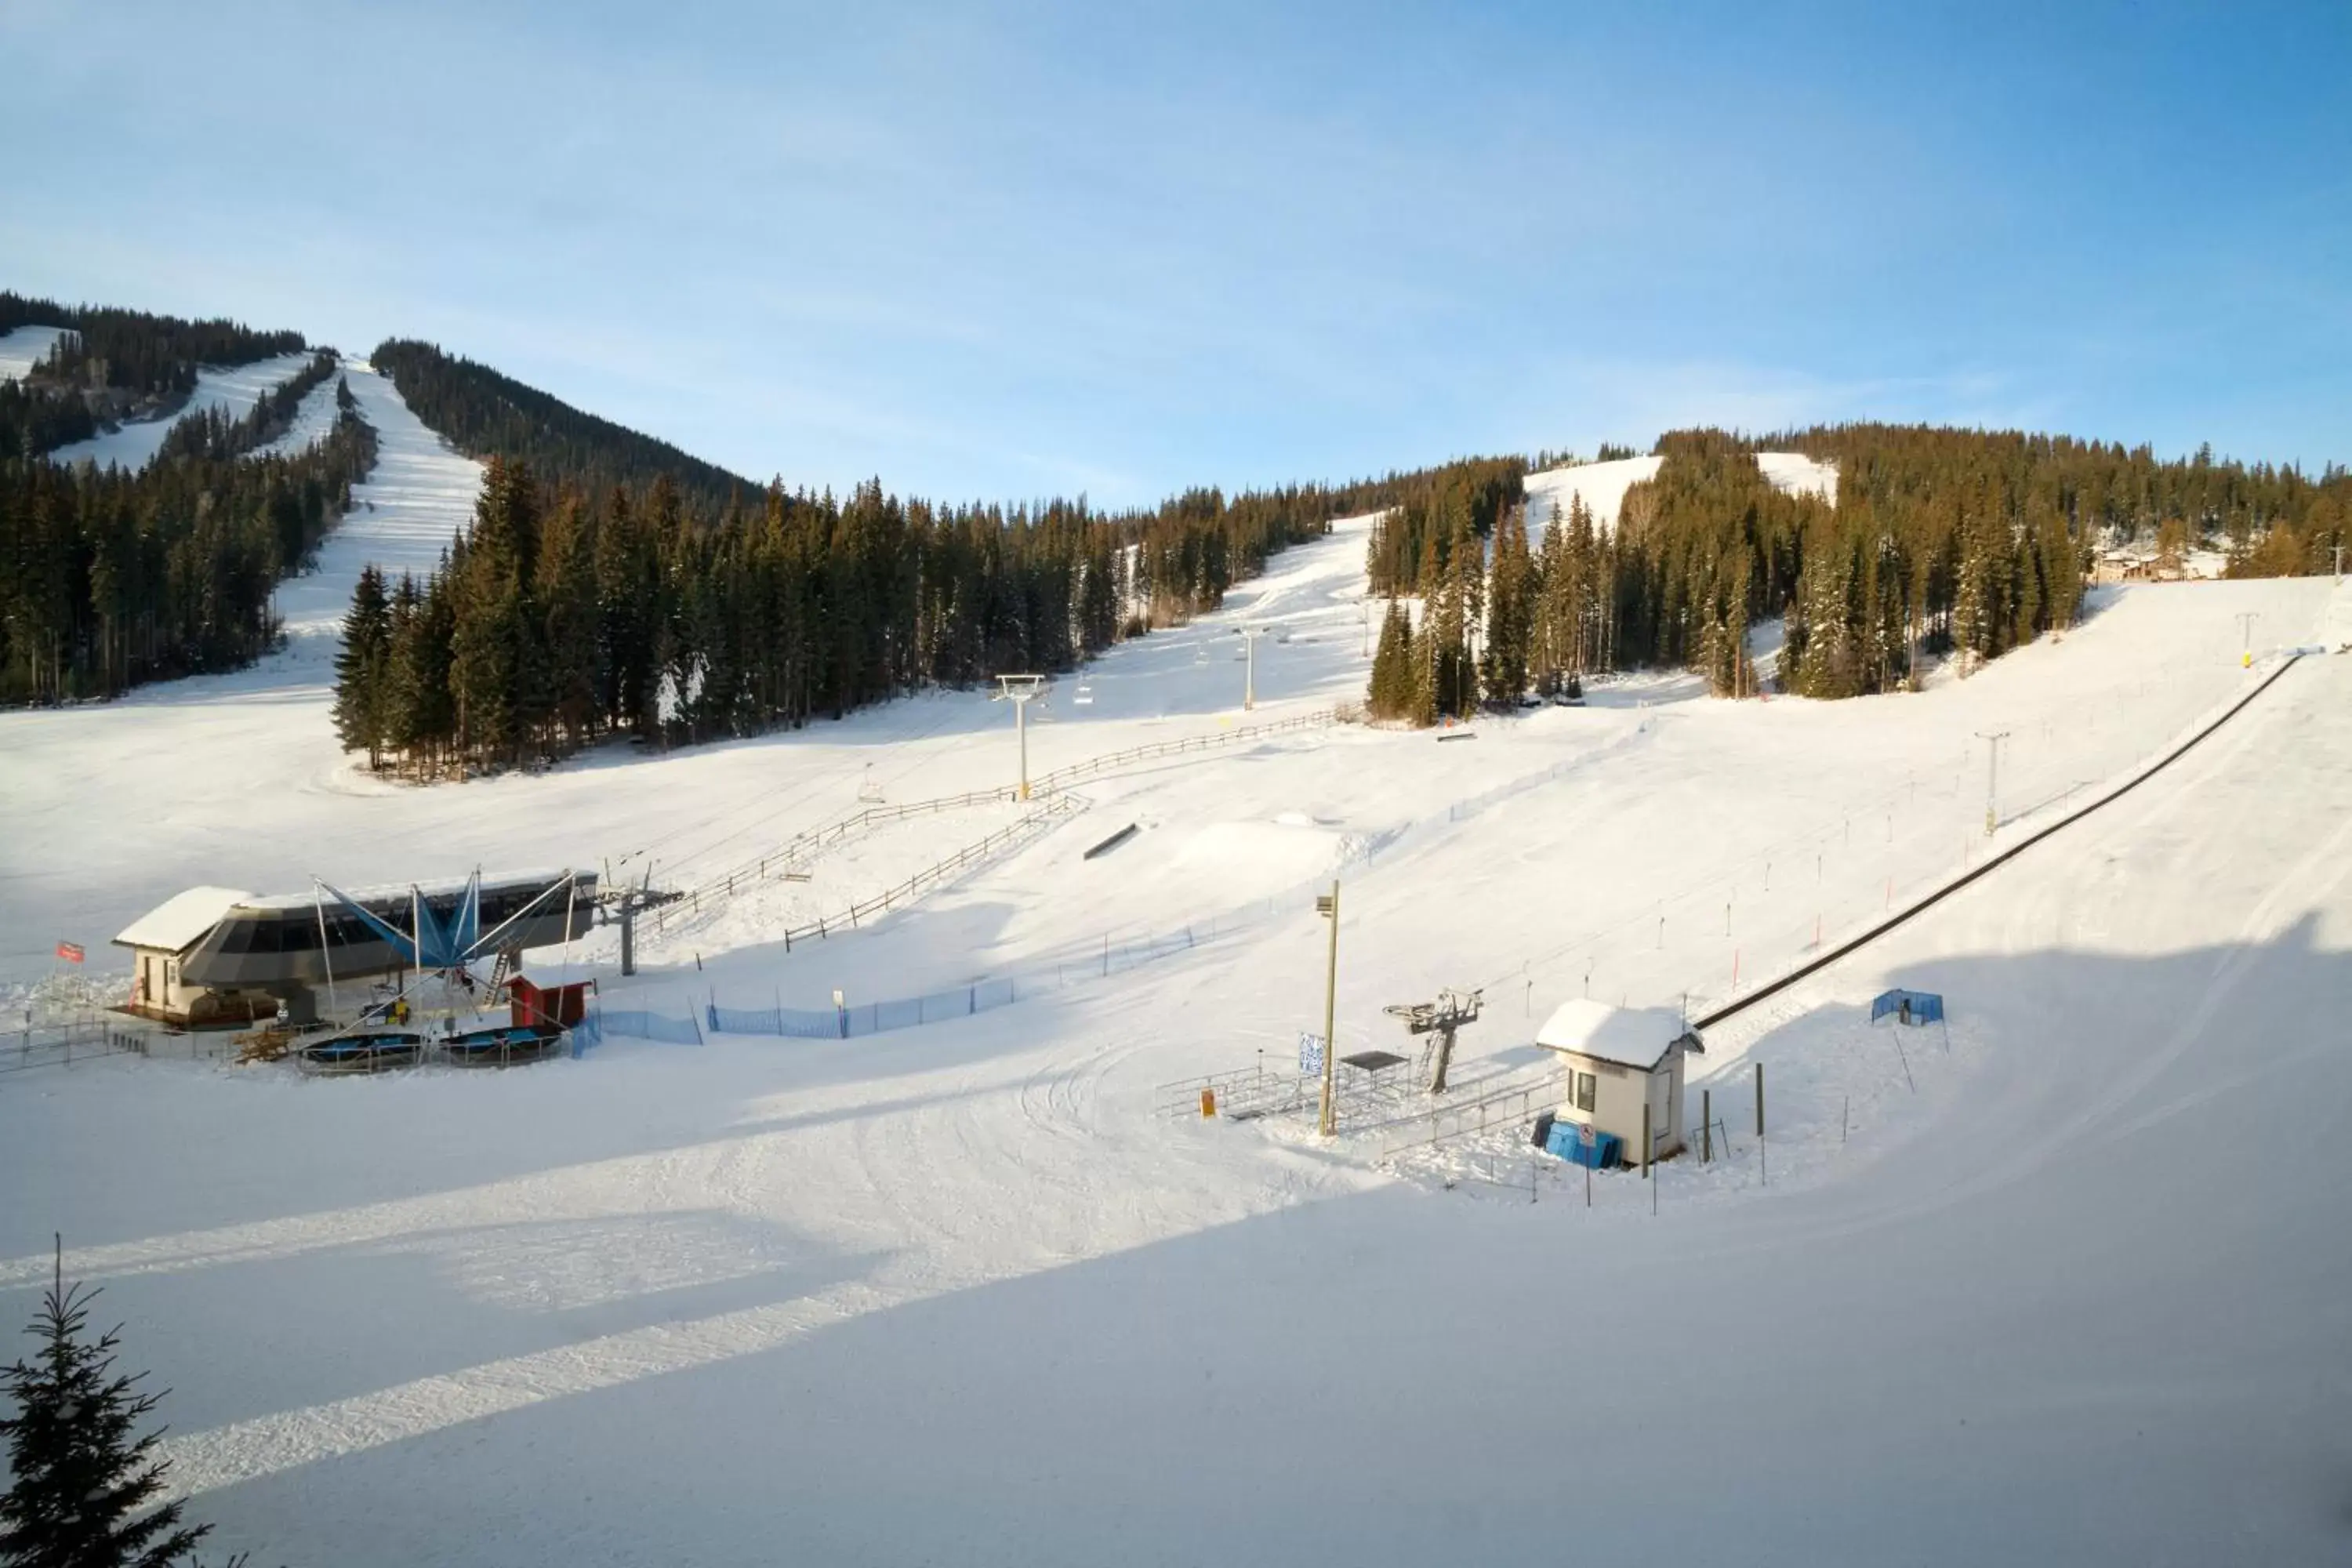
[1310,1055]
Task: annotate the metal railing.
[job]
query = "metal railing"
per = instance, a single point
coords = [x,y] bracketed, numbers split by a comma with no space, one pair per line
[1094,766]
[930,876]
[785,856]
[1516,1105]
[64,1044]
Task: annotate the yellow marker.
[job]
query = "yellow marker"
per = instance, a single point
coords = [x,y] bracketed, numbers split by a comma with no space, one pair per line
[1208,1102]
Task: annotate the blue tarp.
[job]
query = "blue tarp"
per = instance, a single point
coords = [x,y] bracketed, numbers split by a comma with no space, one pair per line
[1908,1006]
[1567,1142]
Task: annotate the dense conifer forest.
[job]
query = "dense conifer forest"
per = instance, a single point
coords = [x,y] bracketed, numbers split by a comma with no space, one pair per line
[613,585]
[116,364]
[1940,542]
[483,412]
[566,615]
[138,351]
[108,579]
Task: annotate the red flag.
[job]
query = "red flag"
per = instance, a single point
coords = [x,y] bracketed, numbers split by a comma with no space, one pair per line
[70,952]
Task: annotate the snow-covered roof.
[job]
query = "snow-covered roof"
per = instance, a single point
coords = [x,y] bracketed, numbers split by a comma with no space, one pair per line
[176,924]
[1630,1037]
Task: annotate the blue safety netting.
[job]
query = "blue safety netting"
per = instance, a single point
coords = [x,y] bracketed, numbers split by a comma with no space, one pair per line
[866,1018]
[1908,1006]
[604,1022]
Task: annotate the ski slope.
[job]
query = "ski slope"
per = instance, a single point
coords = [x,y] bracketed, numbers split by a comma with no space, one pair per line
[313,419]
[234,389]
[955,1293]
[22,348]
[1602,485]
[245,749]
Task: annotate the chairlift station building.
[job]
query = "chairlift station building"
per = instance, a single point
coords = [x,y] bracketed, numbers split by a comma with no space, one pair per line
[220,957]
[1615,1060]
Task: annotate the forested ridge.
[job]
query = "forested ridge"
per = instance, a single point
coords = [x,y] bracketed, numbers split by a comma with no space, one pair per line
[115,364]
[1940,541]
[482,413]
[611,584]
[214,434]
[109,578]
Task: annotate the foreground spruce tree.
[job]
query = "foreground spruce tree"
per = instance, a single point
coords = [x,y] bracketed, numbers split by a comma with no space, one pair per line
[85,1484]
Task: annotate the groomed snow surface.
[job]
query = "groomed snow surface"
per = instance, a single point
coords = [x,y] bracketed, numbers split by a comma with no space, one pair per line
[233,390]
[22,348]
[957,1294]
[1602,485]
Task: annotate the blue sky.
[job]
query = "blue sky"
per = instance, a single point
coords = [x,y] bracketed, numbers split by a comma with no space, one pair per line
[1125,248]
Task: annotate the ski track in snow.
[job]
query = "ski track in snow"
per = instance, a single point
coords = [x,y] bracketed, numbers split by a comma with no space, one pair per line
[956,1293]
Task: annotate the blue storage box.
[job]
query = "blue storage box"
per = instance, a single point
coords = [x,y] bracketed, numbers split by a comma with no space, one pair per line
[1567,1142]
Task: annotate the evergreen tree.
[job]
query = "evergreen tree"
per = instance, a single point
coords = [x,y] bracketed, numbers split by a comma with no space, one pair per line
[496,670]
[1510,615]
[1421,665]
[362,666]
[574,653]
[85,1486]
[1390,695]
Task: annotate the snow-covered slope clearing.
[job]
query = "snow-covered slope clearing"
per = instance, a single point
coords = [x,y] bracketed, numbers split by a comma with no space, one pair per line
[312,420]
[233,390]
[22,348]
[1602,485]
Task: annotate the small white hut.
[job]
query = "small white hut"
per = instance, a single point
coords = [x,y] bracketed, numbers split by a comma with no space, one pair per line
[160,939]
[1616,1060]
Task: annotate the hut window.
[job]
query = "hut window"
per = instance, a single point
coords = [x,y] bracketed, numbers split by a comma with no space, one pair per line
[1584,1087]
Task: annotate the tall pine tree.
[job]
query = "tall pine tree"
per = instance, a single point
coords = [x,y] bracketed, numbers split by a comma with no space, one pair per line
[363,667]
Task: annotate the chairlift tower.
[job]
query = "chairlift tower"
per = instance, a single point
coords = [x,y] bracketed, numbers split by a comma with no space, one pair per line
[627,905]
[1249,636]
[1441,1018]
[1992,738]
[1021,690]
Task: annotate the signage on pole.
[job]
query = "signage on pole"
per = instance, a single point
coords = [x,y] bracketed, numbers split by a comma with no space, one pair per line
[1586,1136]
[70,952]
[1310,1054]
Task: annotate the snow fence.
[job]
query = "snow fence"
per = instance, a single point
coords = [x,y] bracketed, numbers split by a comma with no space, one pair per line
[869,1018]
[639,1025]
[1078,963]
